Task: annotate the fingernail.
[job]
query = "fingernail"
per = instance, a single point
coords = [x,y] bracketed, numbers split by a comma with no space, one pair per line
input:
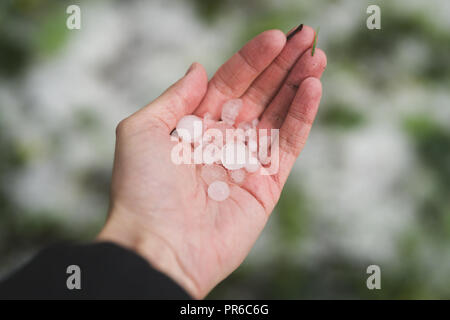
[190,68]
[293,33]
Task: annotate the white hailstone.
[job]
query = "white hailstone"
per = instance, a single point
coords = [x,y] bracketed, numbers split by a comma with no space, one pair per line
[213,172]
[208,121]
[219,131]
[197,155]
[189,128]
[252,145]
[238,176]
[230,110]
[235,135]
[252,164]
[218,190]
[264,158]
[233,155]
[181,153]
[244,126]
[207,138]
[223,126]
[263,152]
[212,153]
[213,136]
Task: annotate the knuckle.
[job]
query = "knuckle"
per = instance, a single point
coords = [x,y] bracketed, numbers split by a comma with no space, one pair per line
[222,85]
[292,143]
[293,85]
[123,127]
[282,63]
[301,115]
[248,61]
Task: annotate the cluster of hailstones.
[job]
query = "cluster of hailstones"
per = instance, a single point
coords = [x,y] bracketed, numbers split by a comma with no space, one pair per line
[227,152]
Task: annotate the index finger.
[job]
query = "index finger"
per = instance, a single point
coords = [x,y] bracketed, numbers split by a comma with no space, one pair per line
[236,75]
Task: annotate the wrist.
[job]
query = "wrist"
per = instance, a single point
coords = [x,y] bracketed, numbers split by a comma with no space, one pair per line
[133,235]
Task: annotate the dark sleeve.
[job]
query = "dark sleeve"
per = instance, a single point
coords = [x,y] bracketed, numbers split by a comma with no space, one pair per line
[100,271]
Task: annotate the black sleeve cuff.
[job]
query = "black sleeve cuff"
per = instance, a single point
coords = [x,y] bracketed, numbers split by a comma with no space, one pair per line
[107,271]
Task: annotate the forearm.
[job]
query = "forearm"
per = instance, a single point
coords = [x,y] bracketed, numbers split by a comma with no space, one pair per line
[127,232]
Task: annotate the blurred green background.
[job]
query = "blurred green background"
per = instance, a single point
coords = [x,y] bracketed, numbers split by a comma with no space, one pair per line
[372,185]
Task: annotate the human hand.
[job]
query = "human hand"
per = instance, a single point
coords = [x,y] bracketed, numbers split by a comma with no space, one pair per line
[162,211]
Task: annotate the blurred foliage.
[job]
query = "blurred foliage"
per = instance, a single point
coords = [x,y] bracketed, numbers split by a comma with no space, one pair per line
[432,144]
[341,117]
[209,10]
[29,29]
[368,47]
[28,230]
[293,217]
[50,36]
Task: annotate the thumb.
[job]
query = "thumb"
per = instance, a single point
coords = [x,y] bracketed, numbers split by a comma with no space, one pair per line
[178,100]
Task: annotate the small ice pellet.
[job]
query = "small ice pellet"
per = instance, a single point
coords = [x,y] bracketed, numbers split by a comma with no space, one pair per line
[252,165]
[197,155]
[213,172]
[263,152]
[208,121]
[252,145]
[244,126]
[238,176]
[235,135]
[218,190]
[222,126]
[189,128]
[233,155]
[211,153]
[263,158]
[230,110]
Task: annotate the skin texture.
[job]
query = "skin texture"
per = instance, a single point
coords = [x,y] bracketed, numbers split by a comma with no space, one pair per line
[162,211]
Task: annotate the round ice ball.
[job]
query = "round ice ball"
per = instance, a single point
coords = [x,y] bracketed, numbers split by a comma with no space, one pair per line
[238,176]
[230,110]
[213,172]
[190,128]
[218,190]
[233,155]
[252,164]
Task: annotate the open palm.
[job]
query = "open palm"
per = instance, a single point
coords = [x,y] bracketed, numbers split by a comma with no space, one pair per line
[162,209]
